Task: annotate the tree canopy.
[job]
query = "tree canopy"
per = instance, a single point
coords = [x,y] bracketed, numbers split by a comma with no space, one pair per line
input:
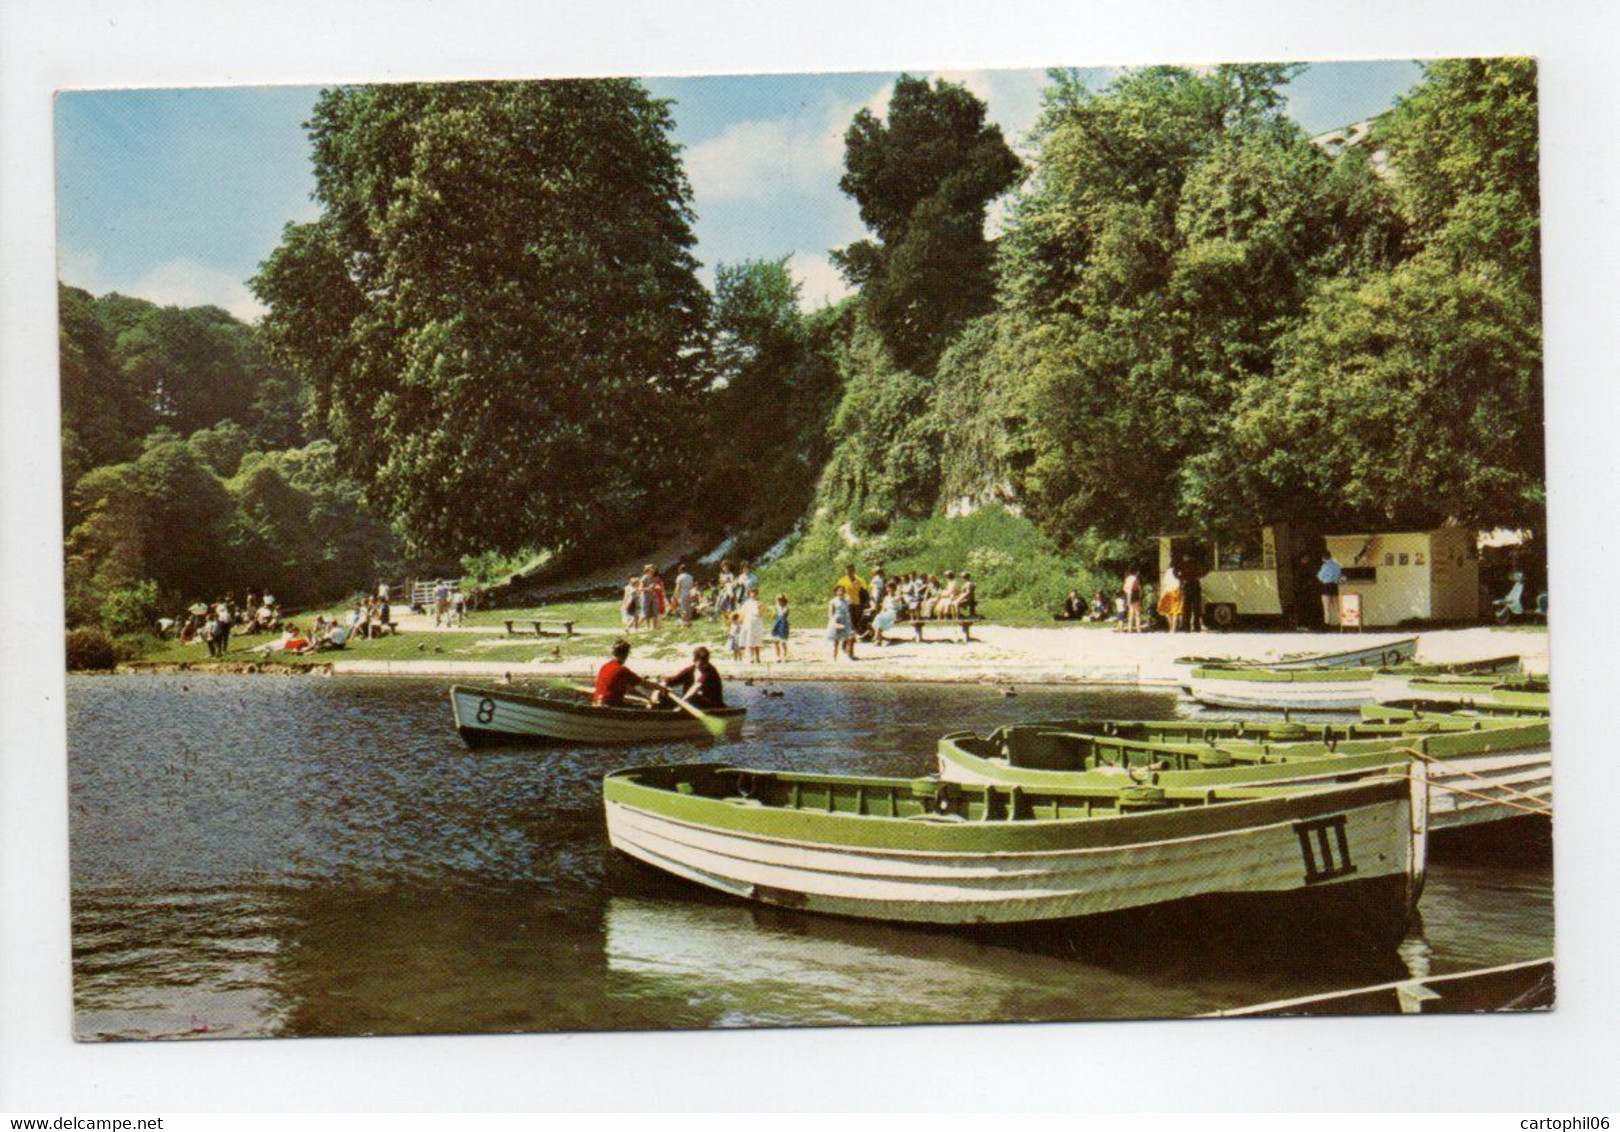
[497,312]
[923,180]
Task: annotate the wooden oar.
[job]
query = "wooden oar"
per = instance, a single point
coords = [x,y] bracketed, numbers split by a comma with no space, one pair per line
[714,726]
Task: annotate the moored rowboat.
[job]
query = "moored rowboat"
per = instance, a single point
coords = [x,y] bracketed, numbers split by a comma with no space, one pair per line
[923,851]
[1385,654]
[485,716]
[1479,770]
[1273,689]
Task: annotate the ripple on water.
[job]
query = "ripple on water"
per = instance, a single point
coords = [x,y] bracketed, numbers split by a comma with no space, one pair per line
[256,857]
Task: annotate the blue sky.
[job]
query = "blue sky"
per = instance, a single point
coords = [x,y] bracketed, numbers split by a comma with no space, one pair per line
[177,195]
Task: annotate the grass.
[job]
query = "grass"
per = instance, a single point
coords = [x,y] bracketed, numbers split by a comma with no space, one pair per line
[1019,576]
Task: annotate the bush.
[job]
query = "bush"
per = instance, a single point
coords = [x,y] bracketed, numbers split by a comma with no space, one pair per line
[91,650]
[131,609]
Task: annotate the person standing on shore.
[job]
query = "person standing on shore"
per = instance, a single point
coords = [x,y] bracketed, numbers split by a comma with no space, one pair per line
[840,627]
[1192,595]
[781,630]
[1133,602]
[222,634]
[1170,597]
[753,626]
[684,596]
[1328,579]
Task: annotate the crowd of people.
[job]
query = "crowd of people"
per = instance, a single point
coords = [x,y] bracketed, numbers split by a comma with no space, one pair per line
[214,623]
[1177,605]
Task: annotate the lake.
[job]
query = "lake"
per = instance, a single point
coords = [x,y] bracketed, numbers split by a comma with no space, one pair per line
[283,856]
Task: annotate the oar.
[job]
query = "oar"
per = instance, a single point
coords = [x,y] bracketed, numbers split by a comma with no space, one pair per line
[714,726]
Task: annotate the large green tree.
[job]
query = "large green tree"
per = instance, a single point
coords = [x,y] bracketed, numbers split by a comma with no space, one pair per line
[1177,222]
[1412,395]
[497,313]
[923,179]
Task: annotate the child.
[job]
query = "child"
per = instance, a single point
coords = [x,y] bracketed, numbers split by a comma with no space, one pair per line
[753,626]
[734,641]
[780,628]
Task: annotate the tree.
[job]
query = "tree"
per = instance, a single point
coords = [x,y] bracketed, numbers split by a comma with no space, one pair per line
[923,180]
[103,410]
[776,386]
[497,313]
[195,366]
[1177,223]
[1464,146]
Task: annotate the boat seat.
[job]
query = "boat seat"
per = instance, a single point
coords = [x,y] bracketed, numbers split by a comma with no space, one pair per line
[741,801]
[949,819]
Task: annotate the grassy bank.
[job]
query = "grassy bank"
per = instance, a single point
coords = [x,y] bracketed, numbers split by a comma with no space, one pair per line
[1020,577]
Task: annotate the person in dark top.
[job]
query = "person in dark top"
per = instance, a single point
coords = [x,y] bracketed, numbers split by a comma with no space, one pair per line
[614,680]
[699,683]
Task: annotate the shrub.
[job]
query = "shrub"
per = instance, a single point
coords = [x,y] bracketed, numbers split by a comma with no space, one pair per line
[90,650]
[131,609]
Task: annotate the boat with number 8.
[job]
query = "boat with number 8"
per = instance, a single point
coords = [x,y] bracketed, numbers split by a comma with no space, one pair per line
[489,716]
[1338,858]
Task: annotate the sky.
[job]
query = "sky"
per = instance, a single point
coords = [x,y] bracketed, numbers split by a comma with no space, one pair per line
[177,195]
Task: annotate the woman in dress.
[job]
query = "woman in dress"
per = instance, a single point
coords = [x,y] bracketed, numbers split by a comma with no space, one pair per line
[753,626]
[887,616]
[1170,598]
[840,627]
[780,629]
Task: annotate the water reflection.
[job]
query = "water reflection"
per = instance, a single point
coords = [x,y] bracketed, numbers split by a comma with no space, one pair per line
[259,856]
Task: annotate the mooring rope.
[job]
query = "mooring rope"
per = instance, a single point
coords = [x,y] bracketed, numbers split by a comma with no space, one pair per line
[1539,806]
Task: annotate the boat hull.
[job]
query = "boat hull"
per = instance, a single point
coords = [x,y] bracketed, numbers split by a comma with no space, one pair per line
[1350,852]
[1313,695]
[490,717]
[1505,780]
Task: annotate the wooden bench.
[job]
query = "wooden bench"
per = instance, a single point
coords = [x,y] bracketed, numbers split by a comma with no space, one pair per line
[537,627]
[963,623]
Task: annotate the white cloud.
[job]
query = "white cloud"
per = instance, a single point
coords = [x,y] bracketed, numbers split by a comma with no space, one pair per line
[819,281]
[179,282]
[762,158]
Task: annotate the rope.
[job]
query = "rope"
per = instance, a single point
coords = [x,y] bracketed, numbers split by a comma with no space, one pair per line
[1432,761]
[1541,813]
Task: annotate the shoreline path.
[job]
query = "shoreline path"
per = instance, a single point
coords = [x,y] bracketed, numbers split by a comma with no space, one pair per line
[998,654]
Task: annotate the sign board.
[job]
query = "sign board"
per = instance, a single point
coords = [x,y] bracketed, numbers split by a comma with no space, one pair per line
[1350,611]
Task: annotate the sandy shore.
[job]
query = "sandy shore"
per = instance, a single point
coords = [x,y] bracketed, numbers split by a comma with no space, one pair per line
[1004,655]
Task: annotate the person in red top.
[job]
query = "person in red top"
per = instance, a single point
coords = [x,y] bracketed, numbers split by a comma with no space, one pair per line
[615,680]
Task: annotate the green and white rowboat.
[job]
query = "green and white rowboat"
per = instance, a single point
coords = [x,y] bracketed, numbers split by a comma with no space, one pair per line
[1383,654]
[486,716]
[1303,689]
[924,851]
[1479,769]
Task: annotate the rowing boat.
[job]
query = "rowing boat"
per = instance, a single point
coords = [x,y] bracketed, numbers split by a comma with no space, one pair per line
[1479,769]
[1383,655]
[1301,689]
[1396,711]
[925,851]
[485,716]
[1531,695]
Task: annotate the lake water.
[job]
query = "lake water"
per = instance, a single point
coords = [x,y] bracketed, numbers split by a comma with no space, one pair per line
[262,856]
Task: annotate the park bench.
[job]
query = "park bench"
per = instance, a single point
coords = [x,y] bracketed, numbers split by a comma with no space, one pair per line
[965,624]
[537,627]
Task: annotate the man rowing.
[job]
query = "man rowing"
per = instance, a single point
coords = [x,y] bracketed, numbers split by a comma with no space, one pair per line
[699,682]
[614,680]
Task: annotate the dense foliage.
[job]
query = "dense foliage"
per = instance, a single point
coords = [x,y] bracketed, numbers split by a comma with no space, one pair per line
[923,179]
[765,422]
[497,311]
[1197,318]
[156,519]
